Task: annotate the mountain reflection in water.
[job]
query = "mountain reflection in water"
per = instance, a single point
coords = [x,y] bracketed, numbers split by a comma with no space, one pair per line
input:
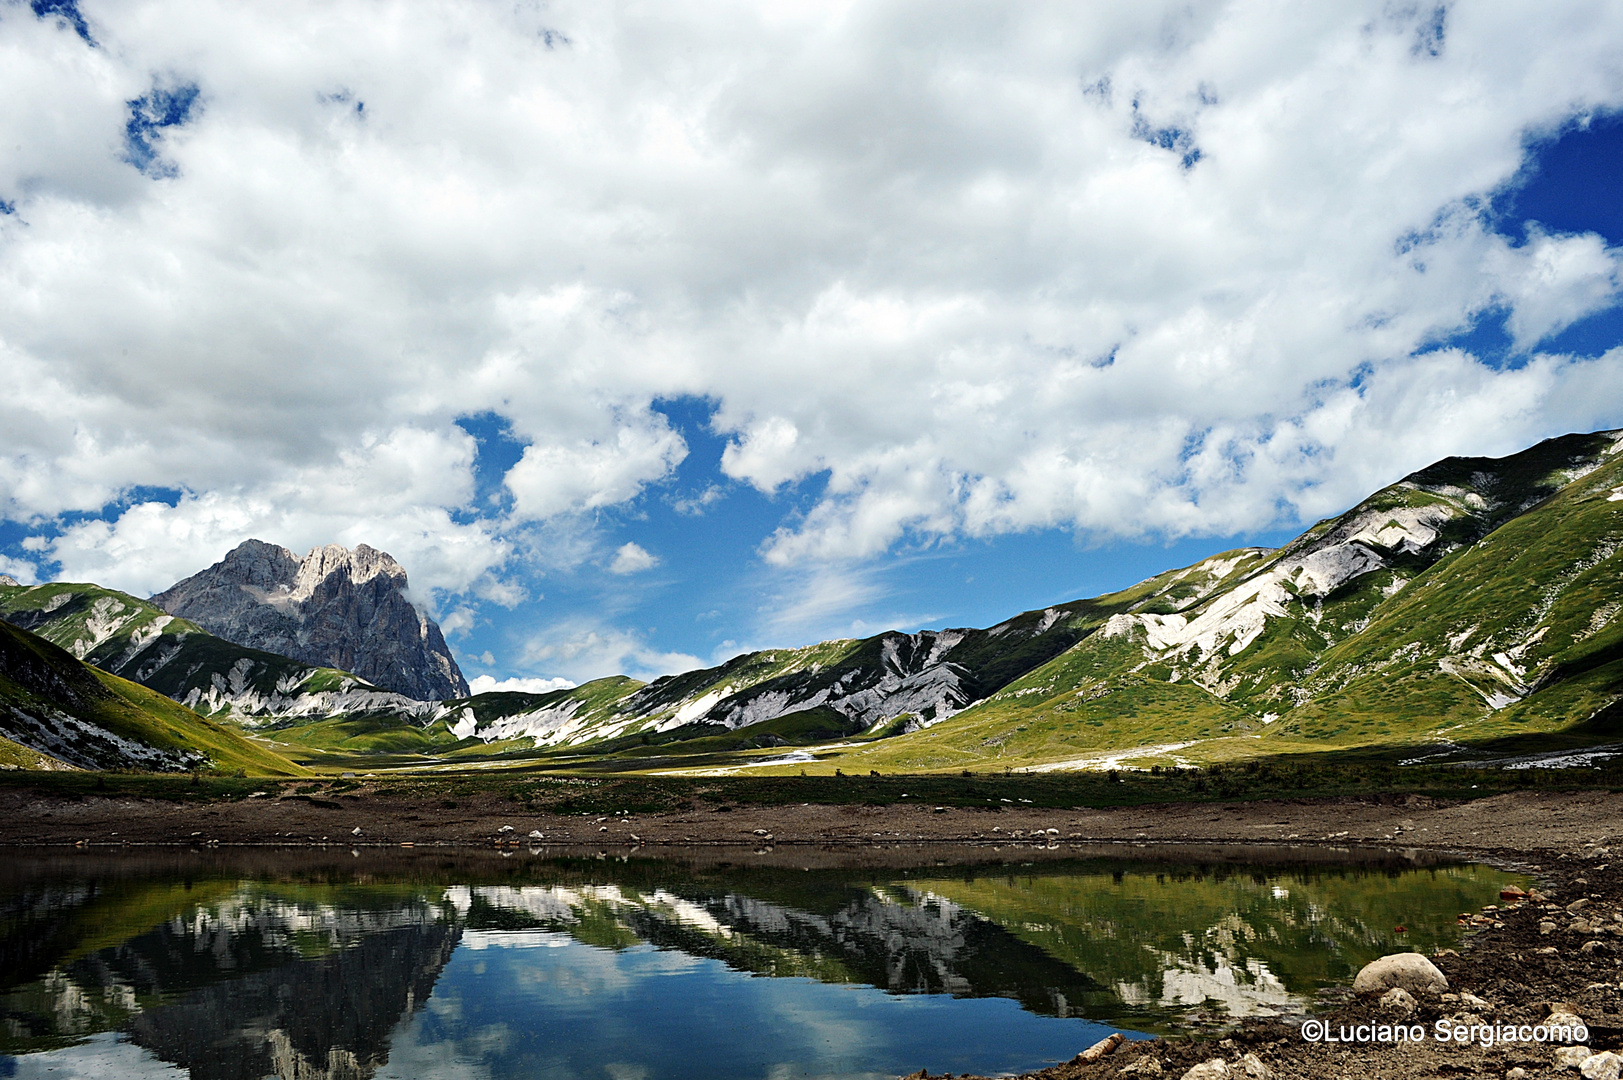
[222,969]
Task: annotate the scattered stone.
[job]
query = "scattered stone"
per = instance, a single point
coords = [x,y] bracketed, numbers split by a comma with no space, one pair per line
[1215,1069]
[1546,927]
[1564,1019]
[505,828]
[1593,947]
[1411,971]
[1399,1000]
[356,831]
[1517,1073]
[1580,903]
[1253,1068]
[1602,1066]
[1104,1046]
[1512,893]
[535,834]
[1144,1066]
[1570,1057]
[1471,1001]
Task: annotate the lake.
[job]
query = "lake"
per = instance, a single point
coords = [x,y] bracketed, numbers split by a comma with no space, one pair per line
[244,964]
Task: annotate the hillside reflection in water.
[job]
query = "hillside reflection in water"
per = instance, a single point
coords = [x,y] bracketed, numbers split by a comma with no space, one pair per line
[313,966]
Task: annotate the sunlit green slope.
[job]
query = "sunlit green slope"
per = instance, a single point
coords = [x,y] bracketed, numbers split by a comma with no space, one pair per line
[1475,599]
[57,705]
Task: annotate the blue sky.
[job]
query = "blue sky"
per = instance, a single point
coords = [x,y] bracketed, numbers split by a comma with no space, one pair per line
[642,338]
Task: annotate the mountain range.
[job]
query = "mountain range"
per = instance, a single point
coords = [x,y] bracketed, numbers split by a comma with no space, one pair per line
[1473,599]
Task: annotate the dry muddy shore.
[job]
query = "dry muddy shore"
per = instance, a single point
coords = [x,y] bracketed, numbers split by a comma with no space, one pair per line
[1522,960]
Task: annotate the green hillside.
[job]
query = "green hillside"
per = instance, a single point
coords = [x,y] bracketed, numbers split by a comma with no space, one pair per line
[137,640]
[1474,600]
[53,703]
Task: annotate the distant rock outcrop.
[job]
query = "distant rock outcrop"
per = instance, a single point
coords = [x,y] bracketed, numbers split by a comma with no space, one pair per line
[334,608]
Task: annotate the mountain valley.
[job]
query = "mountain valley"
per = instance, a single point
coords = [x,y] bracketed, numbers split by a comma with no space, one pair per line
[1474,600]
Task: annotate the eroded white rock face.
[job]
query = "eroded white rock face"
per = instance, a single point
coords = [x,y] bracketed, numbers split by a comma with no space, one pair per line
[1233,620]
[333,608]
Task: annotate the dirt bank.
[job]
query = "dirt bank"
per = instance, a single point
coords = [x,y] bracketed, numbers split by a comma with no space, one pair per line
[1510,825]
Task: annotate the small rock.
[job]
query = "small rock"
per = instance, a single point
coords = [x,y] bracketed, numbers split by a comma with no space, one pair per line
[1251,1066]
[535,834]
[1517,1073]
[1570,1057]
[1144,1066]
[1546,927]
[1593,947]
[1548,950]
[1578,926]
[1215,1069]
[1578,904]
[356,831]
[1104,1046]
[1399,1000]
[1471,1001]
[1411,971]
[505,828]
[1513,893]
[1602,1066]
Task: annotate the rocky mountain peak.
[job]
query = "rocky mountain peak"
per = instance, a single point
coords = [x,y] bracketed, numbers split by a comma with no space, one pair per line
[7,579]
[335,607]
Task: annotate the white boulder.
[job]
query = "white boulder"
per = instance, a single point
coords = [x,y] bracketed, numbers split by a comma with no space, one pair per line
[1409,971]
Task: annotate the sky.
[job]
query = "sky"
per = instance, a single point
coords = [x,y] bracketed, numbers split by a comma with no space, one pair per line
[646,334]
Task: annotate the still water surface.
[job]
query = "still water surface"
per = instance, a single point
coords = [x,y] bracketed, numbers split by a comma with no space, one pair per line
[238,966]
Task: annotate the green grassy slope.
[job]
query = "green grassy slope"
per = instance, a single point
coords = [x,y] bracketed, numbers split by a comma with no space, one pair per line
[1476,599]
[1516,633]
[1504,622]
[53,703]
[135,639]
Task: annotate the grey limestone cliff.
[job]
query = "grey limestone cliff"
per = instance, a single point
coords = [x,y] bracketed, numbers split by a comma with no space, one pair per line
[335,608]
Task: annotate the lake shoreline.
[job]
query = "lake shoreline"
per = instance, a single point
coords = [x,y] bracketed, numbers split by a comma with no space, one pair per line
[1562,839]
[1509,825]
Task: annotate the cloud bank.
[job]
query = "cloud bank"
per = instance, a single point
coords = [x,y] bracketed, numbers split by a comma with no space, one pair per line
[958,269]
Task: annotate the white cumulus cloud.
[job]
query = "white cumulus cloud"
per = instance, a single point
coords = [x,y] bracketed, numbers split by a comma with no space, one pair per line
[485,684]
[632,559]
[957,269]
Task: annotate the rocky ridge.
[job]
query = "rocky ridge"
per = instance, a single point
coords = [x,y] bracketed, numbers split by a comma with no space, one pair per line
[136,640]
[334,608]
